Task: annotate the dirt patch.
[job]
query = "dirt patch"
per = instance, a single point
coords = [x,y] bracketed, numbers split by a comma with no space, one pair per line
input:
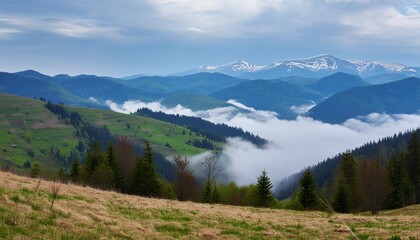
[20,123]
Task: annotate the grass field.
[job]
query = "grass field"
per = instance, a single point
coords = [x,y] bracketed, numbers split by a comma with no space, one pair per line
[86,213]
[159,133]
[33,130]
[31,127]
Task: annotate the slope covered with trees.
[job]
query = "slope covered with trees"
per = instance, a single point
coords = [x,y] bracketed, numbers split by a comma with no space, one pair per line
[215,132]
[398,97]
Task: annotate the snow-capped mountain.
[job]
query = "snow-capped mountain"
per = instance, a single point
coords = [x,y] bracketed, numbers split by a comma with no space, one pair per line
[231,68]
[318,66]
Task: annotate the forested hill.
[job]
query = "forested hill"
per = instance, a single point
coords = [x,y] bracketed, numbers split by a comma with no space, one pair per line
[324,171]
[216,132]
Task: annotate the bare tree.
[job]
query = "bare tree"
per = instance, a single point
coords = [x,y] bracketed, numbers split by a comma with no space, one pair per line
[125,159]
[373,185]
[185,185]
[210,168]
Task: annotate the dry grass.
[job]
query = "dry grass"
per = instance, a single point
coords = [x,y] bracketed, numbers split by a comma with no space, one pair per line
[86,213]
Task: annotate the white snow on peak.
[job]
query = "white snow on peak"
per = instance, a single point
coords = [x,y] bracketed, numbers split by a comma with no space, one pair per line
[314,64]
[324,62]
[366,66]
[234,66]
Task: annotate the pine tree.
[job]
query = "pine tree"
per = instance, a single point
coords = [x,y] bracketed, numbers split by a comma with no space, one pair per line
[61,175]
[93,158]
[341,202]
[146,180]
[116,173]
[206,192]
[413,165]
[103,176]
[74,171]
[263,193]
[215,195]
[347,171]
[307,195]
[35,170]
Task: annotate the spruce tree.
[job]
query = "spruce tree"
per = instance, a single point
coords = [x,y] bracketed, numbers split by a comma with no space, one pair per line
[307,195]
[35,170]
[93,158]
[341,202]
[215,195]
[74,171]
[61,175]
[116,173]
[146,180]
[347,171]
[206,192]
[413,165]
[263,193]
[103,176]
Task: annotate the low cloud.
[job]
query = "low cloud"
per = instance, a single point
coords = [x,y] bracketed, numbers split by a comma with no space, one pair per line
[302,109]
[293,144]
[93,100]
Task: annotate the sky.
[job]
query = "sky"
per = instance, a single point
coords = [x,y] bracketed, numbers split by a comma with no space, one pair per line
[122,38]
[293,144]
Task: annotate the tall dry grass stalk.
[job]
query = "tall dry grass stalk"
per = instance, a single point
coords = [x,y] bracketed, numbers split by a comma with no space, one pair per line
[54,187]
[38,185]
[331,209]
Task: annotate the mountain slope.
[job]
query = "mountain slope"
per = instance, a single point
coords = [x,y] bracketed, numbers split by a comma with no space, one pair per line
[200,83]
[35,130]
[270,95]
[101,88]
[336,82]
[193,101]
[33,87]
[319,66]
[396,97]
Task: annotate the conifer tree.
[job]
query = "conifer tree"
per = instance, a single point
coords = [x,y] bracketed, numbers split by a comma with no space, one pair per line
[35,170]
[146,180]
[263,193]
[307,195]
[215,195]
[74,171]
[61,175]
[116,173]
[341,202]
[347,172]
[413,165]
[103,176]
[206,192]
[93,158]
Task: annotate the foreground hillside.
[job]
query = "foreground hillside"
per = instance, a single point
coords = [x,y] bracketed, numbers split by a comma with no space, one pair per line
[86,213]
[30,132]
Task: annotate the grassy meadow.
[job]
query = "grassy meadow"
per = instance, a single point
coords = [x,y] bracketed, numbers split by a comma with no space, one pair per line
[86,213]
[28,131]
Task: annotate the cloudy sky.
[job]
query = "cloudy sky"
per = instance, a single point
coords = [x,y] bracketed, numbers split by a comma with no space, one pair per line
[120,38]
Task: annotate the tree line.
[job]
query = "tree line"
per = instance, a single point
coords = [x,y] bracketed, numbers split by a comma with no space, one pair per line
[324,172]
[215,132]
[366,184]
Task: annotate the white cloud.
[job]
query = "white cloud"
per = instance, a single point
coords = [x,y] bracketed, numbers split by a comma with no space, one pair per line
[293,145]
[302,109]
[77,28]
[93,99]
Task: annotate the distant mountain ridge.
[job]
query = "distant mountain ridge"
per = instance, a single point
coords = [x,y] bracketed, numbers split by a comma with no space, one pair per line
[318,66]
[399,97]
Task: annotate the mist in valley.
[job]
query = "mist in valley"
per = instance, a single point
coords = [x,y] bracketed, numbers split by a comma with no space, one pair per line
[293,144]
